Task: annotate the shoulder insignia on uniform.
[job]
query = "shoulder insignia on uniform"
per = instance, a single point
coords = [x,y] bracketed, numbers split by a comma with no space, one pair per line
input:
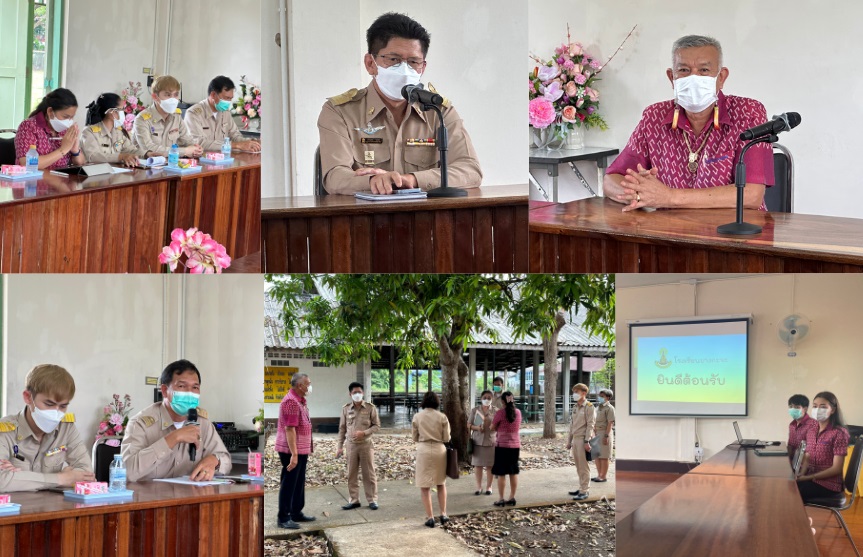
[148,420]
[145,115]
[178,111]
[347,404]
[589,403]
[6,427]
[202,413]
[69,418]
[96,129]
[446,103]
[345,97]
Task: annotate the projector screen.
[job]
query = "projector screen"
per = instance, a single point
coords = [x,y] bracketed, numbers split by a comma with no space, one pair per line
[694,367]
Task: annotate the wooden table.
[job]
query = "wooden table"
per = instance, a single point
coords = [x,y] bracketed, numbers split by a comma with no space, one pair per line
[551,159]
[482,233]
[162,520]
[593,235]
[735,461]
[119,222]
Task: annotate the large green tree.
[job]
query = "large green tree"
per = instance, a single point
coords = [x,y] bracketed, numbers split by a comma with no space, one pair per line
[542,304]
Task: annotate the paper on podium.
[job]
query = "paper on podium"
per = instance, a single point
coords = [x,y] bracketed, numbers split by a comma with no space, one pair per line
[186,480]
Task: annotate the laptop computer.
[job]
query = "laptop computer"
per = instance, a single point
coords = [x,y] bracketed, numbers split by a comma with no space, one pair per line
[747,442]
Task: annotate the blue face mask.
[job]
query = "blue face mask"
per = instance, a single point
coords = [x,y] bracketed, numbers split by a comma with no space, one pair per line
[223,105]
[795,413]
[602,400]
[182,402]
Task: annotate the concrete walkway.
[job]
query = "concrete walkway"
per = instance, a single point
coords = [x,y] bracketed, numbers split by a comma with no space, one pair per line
[399,521]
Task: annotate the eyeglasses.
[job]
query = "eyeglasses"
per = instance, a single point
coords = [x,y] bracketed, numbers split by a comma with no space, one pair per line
[395,62]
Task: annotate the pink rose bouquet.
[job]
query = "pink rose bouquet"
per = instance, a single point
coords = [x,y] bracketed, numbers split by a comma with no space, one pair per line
[248,104]
[114,420]
[203,255]
[133,103]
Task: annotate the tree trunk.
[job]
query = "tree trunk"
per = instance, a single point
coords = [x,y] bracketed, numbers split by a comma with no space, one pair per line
[549,346]
[454,386]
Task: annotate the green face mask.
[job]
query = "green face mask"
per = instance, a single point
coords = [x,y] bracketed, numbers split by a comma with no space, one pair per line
[796,413]
[496,389]
[182,402]
[223,105]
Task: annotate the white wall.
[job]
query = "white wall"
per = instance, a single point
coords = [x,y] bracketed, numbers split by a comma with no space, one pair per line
[273,159]
[203,43]
[826,359]
[472,60]
[112,331]
[790,56]
[329,392]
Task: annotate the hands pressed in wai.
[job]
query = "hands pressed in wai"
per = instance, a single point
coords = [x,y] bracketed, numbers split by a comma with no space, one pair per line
[383,181]
[641,188]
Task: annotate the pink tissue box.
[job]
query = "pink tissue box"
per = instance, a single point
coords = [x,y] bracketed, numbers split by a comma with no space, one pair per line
[216,156]
[5,499]
[255,468]
[191,162]
[90,488]
[13,169]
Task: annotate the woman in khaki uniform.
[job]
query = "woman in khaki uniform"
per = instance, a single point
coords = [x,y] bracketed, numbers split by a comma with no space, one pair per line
[479,424]
[431,431]
[104,139]
[605,429]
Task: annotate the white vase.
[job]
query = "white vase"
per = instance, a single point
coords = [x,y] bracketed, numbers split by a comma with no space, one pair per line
[575,138]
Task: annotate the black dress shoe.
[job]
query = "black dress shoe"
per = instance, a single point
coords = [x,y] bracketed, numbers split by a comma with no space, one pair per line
[444,519]
[511,503]
[373,506]
[576,492]
[488,492]
[500,503]
[430,522]
[581,496]
[596,479]
[306,518]
[477,492]
[289,524]
[350,506]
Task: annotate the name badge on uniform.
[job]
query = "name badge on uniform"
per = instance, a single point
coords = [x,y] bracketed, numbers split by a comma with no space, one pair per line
[372,140]
[52,452]
[420,142]
[370,157]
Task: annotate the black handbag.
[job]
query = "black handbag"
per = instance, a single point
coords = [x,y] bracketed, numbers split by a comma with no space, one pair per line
[451,461]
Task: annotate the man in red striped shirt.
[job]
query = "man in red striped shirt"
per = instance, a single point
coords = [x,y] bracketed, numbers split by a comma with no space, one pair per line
[294,444]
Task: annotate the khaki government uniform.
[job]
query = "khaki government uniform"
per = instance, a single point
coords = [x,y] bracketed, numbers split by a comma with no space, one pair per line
[101,145]
[581,430]
[360,453]
[497,401]
[154,133]
[210,128]
[344,149]
[146,453]
[43,461]
[605,416]
[430,430]
[483,441]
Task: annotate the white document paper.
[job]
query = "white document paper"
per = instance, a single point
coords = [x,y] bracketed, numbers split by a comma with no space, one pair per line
[118,170]
[185,480]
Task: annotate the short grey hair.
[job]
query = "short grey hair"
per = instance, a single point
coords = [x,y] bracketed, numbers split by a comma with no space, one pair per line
[695,41]
[297,377]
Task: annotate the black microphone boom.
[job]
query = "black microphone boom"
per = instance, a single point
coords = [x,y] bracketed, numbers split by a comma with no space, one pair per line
[417,93]
[192,419]
[781,123]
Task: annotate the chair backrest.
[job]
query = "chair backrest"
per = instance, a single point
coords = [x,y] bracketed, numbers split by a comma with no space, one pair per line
[779,197]
[319,178]
[103,456]
[852,475]
[7,147]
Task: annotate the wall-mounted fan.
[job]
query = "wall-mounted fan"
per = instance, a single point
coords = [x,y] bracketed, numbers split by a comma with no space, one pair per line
[792,330]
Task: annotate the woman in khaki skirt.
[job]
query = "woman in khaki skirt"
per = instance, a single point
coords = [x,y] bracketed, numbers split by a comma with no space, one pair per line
[431,431]
[482,436]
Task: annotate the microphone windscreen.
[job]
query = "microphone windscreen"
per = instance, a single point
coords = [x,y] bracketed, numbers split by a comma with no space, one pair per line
[793,119]
[193,415]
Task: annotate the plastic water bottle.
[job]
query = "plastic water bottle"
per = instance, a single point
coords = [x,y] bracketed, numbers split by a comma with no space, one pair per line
[226,148]
[117,474]
[174,156]
[32,160]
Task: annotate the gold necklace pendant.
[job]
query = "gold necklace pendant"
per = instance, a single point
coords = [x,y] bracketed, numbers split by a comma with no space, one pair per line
[693,163]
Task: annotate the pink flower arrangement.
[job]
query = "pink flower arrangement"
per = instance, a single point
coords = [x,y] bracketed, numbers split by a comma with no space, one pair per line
[133,103]
[115,419]
[203,255]
[248,105]
[542,112]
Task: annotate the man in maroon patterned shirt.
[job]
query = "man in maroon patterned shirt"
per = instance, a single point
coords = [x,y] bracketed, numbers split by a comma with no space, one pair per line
[294,444]
[683,152]
[801,423]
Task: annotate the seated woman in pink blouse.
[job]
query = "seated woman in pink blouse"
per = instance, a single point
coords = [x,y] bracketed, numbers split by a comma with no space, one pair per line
[507,423]
[826,446]
[52,129]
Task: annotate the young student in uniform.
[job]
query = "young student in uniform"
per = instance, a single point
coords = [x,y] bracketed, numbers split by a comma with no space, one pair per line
[210,121]
[52,129]
[161,124]
[358,422]
[40,444]
[104,139]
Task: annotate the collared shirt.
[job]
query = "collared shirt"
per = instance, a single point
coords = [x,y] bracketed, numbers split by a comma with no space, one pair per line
[353,419]
[294,412]
[430,426]
[38,131]
[482,438]
[43,460]
[405,149]
[604,416]
[583,422]
[797,432]
[507,433]
[654,144]
[822,446]
[146,453]
[153,132]
[210,128]
[101,145]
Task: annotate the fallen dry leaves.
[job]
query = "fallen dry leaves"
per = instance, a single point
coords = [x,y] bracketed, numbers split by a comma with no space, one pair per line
[299,546]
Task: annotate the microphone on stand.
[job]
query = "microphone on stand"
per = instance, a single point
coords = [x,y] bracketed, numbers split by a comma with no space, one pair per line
[781,123]
[192,419]
[418,93]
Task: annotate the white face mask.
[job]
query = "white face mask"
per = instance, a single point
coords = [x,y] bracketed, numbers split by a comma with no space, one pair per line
[358,397]
[61,125]
[695,93]
[576,397]
[169,105]
[46,420]
[118,120]
[391,80]
[486,402]
[820,414]
[309,391]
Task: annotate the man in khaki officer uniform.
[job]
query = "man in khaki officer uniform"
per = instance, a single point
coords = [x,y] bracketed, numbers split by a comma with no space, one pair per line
[497,389]
[580,433]
[371,139]
[156,443]
[210,120]
[161,124]
[605,430]
[40,445]
[358,423]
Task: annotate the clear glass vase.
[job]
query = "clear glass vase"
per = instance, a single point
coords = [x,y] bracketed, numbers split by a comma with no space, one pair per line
[552,137]
[575,138]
